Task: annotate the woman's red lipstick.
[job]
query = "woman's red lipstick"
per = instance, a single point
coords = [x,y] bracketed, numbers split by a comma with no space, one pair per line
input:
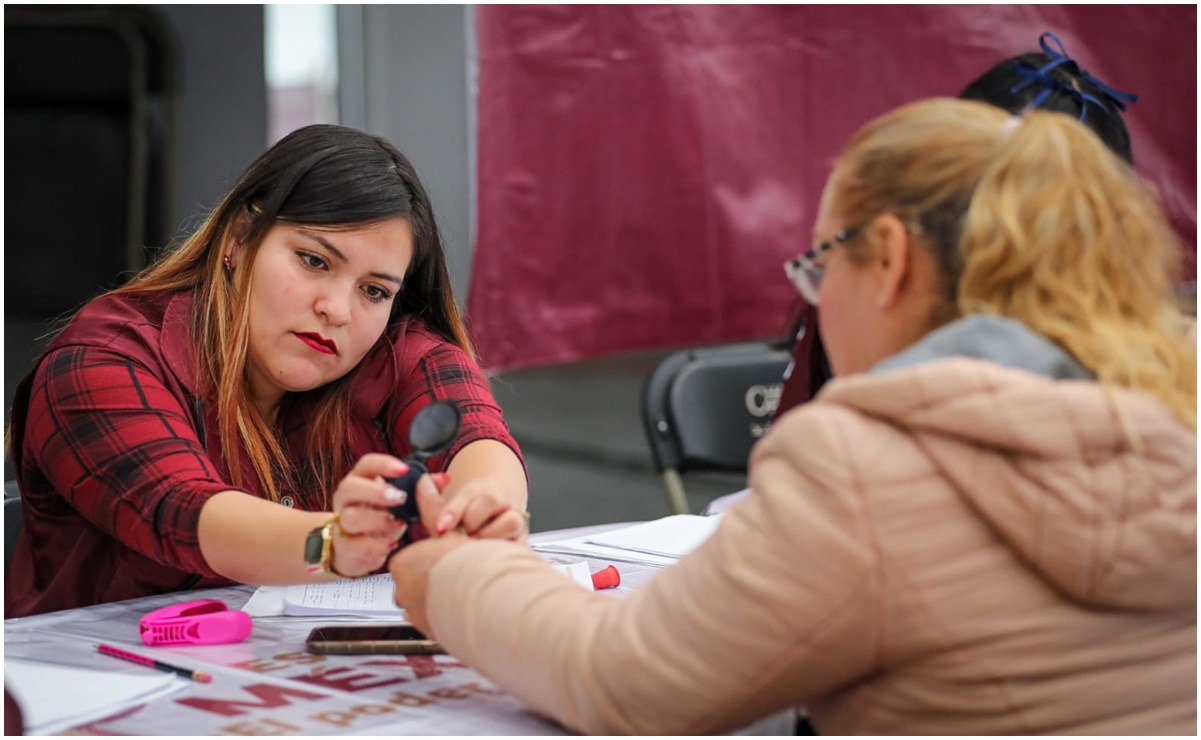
[319,343]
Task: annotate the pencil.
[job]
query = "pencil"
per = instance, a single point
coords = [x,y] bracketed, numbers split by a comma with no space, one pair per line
[200,676]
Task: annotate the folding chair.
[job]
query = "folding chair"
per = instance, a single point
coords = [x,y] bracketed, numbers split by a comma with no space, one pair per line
[704,408]
[89,102]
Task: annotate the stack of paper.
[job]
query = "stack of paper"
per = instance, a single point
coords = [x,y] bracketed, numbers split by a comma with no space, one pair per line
[661,542]
[54,698]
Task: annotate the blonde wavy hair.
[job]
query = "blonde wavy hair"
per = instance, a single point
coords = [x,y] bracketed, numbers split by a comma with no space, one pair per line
[1032,218]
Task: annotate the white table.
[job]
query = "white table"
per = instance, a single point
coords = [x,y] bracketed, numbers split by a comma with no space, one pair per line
[270,685]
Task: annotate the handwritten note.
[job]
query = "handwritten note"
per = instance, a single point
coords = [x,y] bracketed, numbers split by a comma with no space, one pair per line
[370,596]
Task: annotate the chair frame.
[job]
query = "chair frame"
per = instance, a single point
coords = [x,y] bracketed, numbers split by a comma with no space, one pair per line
[746,379]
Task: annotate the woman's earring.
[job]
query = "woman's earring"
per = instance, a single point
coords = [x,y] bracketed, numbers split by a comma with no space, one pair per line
[229,265]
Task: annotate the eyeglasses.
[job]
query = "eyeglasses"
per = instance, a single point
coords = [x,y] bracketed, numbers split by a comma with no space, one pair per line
[805,271]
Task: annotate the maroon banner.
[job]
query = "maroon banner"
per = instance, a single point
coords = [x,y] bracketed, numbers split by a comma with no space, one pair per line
[644,171]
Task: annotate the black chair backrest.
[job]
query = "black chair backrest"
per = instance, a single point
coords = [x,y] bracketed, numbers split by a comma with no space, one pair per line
[89,97]
[703,409]
[84,133]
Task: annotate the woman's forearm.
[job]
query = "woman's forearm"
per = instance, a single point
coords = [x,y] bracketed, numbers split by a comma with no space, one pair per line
[487,458]
[251,540]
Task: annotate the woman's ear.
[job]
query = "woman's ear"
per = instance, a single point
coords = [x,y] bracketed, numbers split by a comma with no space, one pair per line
[890,260]
[239,230]
[235,239]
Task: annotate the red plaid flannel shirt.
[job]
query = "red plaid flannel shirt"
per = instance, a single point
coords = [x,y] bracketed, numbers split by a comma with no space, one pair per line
[116,455]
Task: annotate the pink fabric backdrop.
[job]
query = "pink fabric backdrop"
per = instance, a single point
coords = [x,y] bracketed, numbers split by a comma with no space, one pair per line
[644,171]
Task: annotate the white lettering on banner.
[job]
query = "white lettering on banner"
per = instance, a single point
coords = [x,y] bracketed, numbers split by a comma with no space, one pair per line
[762,400]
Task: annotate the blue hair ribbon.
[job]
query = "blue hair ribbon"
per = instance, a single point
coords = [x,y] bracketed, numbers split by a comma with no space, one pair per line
[1039,76]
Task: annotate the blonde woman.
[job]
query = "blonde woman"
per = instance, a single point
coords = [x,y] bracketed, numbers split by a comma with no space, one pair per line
[1046,80]
[986,524]
[233,412]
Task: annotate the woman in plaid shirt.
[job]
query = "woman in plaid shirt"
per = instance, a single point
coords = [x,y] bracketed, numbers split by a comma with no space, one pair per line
[193,427]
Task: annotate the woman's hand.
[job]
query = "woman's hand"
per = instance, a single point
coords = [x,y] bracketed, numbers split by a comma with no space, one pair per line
[366,531]
[411,570]
[477,507]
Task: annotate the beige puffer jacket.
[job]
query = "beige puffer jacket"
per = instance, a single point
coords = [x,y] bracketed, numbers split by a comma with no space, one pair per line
[944,545]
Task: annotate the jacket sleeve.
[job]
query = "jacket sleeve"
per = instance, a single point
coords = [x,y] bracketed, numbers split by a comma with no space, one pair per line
[119,447]
[779,606]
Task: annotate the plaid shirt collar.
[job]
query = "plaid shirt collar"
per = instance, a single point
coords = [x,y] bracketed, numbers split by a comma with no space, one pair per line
[176,343]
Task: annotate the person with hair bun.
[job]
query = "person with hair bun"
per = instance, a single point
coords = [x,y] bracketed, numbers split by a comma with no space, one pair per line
[1051,80]
[1046,80]
[984,524]
[233,412]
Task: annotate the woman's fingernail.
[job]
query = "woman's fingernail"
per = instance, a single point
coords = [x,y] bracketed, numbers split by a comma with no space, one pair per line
[392,545]
[426,486]
[395,494]
[442,479]
[443,523]
[400,468]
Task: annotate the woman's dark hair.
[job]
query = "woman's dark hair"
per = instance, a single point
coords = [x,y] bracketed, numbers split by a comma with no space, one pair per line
[324,176]
[1051,80]
[333,176]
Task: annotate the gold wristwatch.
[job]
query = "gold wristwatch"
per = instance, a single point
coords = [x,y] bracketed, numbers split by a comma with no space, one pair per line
[319,549]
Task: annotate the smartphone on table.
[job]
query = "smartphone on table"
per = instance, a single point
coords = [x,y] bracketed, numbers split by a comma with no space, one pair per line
[371,640]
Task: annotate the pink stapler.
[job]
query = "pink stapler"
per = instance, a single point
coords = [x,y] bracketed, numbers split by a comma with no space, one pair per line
[203,622]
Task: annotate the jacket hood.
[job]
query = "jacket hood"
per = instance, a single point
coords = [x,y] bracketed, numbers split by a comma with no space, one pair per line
[1094,488]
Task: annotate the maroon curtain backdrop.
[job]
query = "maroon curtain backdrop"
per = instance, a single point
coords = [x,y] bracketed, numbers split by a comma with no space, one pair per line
[644,171]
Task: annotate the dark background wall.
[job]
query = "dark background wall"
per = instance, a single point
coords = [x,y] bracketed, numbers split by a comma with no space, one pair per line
[222,109]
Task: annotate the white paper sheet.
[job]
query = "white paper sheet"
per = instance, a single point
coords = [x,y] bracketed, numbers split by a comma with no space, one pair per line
[370,596]
[581,547]
[669,537]
[577,571]
[354,597]
[266,601]
[54,698]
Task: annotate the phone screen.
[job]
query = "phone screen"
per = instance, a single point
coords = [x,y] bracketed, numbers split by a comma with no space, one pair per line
[403,639]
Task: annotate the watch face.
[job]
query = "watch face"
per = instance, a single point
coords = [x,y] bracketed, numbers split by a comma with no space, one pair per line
[313,545]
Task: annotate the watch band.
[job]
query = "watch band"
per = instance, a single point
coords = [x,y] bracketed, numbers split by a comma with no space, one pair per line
[319,549]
